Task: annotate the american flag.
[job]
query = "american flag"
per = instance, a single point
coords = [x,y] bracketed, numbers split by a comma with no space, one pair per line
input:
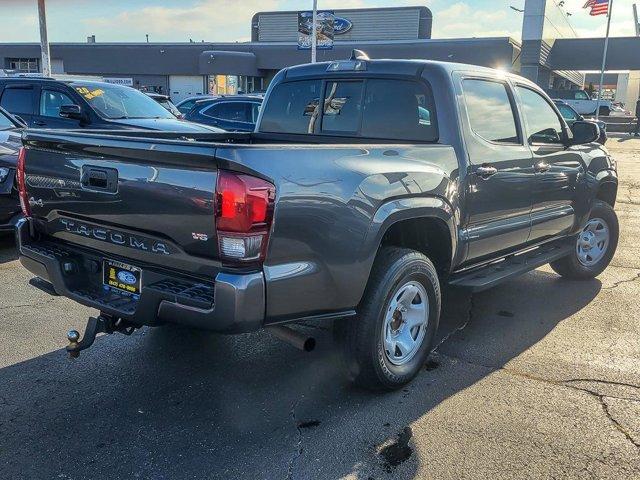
[598,7]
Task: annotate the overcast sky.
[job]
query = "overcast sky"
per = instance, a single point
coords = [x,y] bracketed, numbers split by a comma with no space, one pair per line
[229,20]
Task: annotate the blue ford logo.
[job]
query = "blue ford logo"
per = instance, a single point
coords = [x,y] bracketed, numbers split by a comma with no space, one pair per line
[341,25]
[127,277]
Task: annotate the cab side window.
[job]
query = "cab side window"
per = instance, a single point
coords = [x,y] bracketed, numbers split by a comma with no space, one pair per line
[490,111]
[543,124]
[51,101]
[18,100]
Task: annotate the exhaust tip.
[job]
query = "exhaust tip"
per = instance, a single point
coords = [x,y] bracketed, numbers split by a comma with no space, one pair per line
[309,344]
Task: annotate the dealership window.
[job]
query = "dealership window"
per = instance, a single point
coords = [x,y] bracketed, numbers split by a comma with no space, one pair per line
[23,65]
[293,107]
[490,111]
[51,101]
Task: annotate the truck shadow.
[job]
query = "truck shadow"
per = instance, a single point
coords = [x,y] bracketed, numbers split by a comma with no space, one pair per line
[174,403]
[8,251]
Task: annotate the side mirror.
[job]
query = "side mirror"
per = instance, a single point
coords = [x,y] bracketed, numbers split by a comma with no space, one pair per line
[71,111]
[21,121]
[584,132]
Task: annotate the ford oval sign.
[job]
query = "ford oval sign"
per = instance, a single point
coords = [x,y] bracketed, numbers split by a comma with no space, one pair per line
[341,25]
[127,278]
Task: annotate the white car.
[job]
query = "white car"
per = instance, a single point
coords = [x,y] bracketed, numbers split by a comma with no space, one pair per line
[581,102]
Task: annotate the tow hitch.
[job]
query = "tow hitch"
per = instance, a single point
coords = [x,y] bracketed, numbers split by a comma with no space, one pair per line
[103,324]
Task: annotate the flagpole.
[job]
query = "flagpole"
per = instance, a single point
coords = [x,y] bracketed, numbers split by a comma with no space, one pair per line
[604,59]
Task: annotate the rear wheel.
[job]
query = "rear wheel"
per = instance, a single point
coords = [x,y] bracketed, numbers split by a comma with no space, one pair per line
[595,245]
[388,342]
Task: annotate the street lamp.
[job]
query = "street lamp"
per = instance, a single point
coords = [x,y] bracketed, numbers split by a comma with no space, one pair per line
[44,41]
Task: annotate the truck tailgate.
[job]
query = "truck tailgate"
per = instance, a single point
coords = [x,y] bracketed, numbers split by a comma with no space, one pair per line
[147,200]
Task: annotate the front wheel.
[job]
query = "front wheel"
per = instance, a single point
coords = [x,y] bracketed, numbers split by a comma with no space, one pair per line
[388,342]
[595,245]
[604,111]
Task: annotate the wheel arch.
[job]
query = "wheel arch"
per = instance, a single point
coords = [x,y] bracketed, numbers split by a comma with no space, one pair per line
[425,224]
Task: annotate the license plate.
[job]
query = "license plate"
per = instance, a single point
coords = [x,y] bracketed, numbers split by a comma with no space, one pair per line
[121,276]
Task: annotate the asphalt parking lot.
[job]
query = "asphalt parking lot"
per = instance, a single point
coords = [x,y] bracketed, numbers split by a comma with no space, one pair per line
[538,378]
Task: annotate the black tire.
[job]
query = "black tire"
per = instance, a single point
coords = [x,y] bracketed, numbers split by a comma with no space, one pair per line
[362,337]
[604,111]
[571,267]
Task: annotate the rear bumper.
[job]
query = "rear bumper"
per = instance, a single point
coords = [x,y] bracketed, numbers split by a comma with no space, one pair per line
[230,303]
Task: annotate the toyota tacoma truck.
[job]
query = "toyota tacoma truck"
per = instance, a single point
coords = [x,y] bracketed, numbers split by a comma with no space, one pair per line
[367,186]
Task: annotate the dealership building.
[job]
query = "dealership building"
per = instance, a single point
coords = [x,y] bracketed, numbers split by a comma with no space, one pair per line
[186,69]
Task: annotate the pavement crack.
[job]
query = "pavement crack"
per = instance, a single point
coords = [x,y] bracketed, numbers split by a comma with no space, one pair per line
[568,384]
[298,446]
[620,282]
[460,327]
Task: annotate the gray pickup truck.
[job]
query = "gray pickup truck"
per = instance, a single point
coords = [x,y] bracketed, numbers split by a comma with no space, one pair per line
[367,186]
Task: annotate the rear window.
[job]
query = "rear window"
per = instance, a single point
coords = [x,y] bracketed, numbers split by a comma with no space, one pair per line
[17,100]
[293,108]
[372,108]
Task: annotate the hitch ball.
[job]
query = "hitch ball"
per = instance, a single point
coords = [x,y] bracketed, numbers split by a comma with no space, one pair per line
[73,336]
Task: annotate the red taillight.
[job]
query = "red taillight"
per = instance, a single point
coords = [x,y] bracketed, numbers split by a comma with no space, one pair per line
[244,213]
[22,183]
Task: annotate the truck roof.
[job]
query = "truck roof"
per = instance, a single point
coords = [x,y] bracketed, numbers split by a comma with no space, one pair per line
[387,67]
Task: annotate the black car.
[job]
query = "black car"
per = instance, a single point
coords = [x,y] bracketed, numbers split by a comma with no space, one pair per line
[9,145]
[237,113]
[49,103]
[571,116]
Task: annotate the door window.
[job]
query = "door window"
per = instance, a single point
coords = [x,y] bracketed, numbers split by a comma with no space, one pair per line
[580,95]
[18,100]
[543,124]
[255,110]
[568,113]
[51,101]
[490,111]
[293,107]
[232,111]
[186,106]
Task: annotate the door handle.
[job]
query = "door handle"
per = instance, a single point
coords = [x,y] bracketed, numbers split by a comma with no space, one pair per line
[39,123]
[486,171]
[542,167]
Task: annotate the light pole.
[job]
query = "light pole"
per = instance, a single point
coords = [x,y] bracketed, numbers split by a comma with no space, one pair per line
[314,31]
[44,41]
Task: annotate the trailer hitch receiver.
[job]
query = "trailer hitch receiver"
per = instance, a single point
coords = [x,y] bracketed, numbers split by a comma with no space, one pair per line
[102,324]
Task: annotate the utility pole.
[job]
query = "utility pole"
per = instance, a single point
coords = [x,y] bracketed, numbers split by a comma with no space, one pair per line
[44,41]
[604,59]
[314,32]
[636,22]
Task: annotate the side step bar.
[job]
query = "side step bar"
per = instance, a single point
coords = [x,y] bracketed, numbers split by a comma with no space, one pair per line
[493,274]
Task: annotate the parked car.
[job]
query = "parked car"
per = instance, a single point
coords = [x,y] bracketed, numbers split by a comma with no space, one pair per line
[49,103]
[236,113]
[187,104]
[571,116]
[10,143]
[581,102]
[166,102]
[347,202]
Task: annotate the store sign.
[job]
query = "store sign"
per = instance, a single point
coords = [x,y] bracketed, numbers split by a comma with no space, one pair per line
[341,25]
[127,82]
[325,25]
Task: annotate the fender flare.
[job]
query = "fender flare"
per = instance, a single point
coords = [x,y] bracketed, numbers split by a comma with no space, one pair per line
[401,209]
